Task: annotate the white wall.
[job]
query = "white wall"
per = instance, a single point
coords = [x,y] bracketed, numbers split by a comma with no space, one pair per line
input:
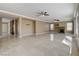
[76,30]
[76,26]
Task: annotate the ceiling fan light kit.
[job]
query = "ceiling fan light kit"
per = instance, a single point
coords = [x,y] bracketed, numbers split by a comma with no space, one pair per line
[42,13]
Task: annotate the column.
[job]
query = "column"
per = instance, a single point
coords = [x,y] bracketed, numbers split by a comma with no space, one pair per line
[19,27]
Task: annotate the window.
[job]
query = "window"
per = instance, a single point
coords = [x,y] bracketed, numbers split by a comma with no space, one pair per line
[69,26]
[51,26]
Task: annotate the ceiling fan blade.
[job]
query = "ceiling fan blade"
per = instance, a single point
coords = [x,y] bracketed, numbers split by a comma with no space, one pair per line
[46,14]
[42,13]
[38,13]
[56,20]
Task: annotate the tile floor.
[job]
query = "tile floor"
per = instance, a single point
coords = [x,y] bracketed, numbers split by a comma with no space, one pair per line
[50,44]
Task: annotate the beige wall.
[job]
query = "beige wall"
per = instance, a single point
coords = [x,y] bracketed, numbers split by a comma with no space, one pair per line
[26,27]
[0,26]
[29,27]
[42,27]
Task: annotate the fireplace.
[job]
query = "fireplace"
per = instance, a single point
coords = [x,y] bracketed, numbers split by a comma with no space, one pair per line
[61,30]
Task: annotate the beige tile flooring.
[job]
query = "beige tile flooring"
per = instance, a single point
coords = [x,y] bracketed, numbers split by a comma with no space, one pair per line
[50,44]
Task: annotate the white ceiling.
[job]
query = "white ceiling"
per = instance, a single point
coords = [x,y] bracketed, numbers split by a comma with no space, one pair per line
[62,11]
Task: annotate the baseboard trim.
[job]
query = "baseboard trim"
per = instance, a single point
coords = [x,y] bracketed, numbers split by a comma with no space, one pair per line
[41,33]
[20,36]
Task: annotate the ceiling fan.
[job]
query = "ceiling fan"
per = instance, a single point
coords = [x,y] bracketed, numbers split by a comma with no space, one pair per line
[56,20]
[42,13]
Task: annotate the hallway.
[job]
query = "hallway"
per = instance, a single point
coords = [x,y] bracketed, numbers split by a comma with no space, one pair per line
[50,44]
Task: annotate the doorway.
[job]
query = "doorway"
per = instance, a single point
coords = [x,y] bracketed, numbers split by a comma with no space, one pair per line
[5,29]
[13,27]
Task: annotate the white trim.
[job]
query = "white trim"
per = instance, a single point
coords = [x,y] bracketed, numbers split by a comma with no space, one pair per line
[22,35]
[41,33]
[2,36]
